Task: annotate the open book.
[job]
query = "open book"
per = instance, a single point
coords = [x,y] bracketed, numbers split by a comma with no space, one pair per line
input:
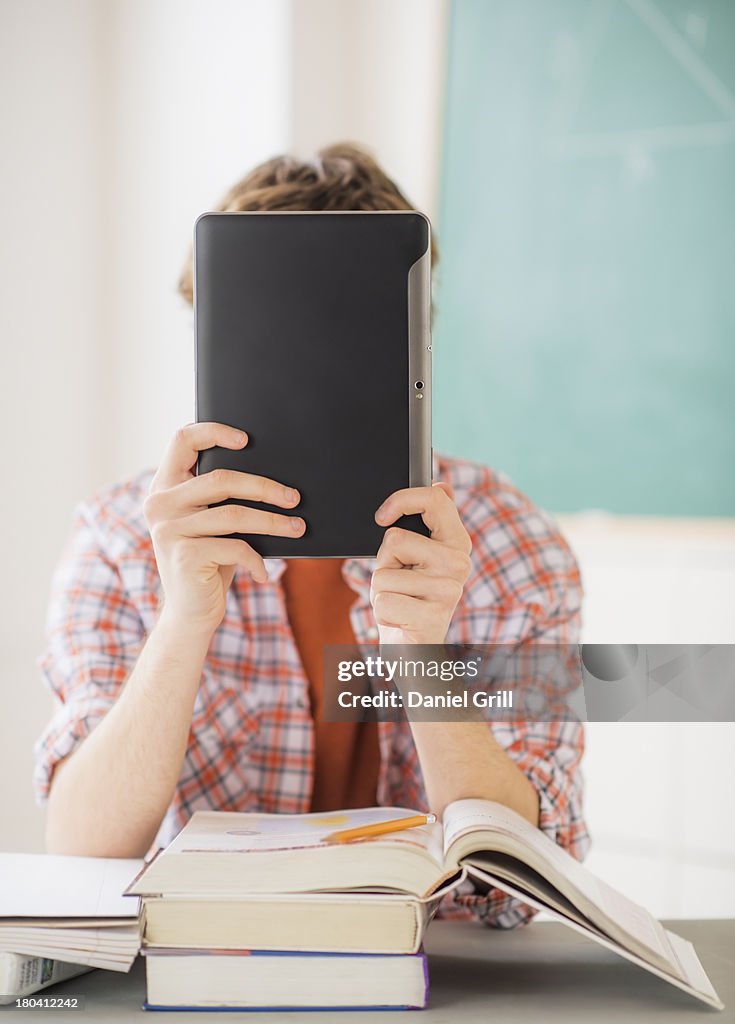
[68,909]
[221,854]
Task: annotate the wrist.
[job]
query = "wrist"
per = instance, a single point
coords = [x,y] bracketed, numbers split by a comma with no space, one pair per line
[184,632]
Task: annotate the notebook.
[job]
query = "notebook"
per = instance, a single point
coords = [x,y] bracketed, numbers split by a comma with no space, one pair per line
[69,909]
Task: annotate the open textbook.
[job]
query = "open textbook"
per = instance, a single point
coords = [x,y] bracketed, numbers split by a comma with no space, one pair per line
[220,854]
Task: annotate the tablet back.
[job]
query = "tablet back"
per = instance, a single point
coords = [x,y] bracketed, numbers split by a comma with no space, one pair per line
[313,335]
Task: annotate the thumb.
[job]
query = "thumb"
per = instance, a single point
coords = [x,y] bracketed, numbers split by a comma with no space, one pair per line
[444,486]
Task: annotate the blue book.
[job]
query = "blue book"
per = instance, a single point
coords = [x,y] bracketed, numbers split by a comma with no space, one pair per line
[237,979]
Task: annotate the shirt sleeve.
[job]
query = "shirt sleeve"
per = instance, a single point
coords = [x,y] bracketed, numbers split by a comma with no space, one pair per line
[93,637]
[549,754]
[529,589]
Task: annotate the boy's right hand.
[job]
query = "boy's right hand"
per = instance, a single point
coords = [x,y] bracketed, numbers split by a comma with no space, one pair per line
[196,559]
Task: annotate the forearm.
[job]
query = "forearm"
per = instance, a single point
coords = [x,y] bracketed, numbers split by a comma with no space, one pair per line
[464,760]
[109,797]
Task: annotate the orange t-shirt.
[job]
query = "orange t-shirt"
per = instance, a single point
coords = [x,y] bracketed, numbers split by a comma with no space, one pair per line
[347,753]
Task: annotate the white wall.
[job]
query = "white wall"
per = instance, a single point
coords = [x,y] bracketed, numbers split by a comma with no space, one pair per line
[195,93]
[121,121]
[372,71]
[51,361]
[659,795]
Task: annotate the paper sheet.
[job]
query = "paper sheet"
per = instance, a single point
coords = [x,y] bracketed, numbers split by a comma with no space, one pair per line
[45,885]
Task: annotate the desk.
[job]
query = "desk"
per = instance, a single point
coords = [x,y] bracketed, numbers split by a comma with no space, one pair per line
[544,973]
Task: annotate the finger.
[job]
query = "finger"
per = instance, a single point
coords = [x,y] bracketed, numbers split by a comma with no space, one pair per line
[436,509]
[216,486]
[218,522]
[443,589]
[401,548]
[445,486]
[228,552]
[395,610]
[406,613]
[182,453]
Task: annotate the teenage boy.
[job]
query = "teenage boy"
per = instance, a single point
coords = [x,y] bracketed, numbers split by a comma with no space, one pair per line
[187,670]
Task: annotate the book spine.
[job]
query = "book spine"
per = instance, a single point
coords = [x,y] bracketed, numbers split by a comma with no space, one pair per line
[425,966]
[21,975]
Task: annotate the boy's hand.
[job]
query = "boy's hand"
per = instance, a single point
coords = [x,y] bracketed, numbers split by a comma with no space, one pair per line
[196,559]
[418,580]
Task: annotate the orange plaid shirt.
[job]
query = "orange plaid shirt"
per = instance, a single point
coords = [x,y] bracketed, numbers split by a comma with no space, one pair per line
[251,746]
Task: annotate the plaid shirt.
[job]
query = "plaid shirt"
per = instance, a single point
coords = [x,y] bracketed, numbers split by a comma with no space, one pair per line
[251,744]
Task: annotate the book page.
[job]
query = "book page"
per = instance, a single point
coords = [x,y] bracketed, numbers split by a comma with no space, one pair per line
[45,885]
[479,825]
[688,974]
[63,922]
[233,832]
[691,969]
[529,881]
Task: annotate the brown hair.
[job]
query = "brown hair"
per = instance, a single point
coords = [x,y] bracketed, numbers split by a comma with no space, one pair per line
[339,177]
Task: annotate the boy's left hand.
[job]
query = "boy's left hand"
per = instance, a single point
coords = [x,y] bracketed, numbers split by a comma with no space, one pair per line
[418,580]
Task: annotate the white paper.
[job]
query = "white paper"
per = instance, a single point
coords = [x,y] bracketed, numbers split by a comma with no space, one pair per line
[46,885]
[238,832]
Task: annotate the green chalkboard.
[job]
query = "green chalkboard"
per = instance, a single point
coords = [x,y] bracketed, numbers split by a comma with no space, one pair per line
[585,332]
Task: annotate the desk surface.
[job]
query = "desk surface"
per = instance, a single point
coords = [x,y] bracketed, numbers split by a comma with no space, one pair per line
[545,972]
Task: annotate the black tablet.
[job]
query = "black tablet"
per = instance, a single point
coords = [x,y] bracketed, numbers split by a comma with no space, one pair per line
[313,335]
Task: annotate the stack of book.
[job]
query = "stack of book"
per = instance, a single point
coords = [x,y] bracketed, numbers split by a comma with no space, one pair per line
[268,911]
[235,914]
[61,916]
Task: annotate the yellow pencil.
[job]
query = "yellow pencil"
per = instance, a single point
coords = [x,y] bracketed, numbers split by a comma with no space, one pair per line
[380,828]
